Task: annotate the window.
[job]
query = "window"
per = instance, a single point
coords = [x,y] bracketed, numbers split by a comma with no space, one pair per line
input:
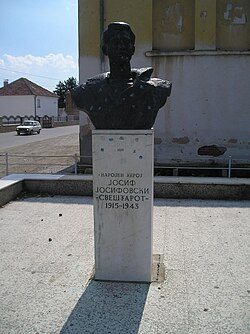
[38,103]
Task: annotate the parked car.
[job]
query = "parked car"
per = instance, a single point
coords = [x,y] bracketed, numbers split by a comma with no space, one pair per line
[29,127]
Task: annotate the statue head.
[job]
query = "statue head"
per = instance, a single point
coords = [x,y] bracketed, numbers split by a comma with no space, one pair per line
[118,42]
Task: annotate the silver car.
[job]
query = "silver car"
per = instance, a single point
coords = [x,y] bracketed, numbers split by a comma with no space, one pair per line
[29,127]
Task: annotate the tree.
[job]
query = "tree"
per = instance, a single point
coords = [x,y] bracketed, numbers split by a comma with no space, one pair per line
[62,88]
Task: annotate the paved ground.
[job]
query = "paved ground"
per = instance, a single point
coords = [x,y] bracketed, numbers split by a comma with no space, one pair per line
[53,154]
[46,247]
[11,139]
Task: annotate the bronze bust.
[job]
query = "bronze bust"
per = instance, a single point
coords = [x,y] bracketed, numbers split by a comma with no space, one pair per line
[123,98]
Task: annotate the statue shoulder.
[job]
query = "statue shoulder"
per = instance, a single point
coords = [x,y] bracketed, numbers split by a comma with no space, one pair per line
[142,77]
[143,73]
[156,89]
[84,94]
[161,85]
[97,79]
[78,95]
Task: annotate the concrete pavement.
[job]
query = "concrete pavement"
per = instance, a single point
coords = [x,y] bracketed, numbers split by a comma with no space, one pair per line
[47,259]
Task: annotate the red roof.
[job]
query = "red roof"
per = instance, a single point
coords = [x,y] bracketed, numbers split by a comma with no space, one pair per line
[24,86]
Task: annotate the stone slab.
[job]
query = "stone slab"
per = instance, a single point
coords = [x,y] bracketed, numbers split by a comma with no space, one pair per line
[123,204]
[9,190]
[164,186]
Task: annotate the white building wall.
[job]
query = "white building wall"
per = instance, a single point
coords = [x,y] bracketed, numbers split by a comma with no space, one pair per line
[209,105]
[47,106]
[17,105]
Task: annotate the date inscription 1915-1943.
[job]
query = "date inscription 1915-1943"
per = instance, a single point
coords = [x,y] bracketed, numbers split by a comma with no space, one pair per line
[122,190]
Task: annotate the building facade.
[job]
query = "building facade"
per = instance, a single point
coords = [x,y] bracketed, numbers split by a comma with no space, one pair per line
[203,48]
[25,98]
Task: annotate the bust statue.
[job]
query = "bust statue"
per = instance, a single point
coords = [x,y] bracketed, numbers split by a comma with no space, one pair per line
[123,98]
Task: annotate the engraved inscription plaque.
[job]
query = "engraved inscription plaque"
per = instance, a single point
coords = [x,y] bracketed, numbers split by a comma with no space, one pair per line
[123,204]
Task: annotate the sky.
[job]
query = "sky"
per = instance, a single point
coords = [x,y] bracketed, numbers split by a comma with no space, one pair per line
[38,41]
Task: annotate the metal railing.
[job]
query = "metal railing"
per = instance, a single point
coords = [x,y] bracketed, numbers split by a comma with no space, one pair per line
[16,163]
[72,164]
[225,166]
[65,119]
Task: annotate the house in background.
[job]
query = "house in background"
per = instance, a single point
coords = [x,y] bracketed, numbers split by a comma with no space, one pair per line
[203,47]
[25,98]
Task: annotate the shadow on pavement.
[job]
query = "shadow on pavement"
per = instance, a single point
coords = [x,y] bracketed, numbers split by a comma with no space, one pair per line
[108,307]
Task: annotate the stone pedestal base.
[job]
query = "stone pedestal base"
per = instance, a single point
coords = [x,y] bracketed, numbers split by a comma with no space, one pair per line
[123,204]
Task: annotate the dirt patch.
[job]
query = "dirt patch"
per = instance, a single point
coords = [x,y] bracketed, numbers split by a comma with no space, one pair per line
[181,140]
[46,156]
[212,150]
